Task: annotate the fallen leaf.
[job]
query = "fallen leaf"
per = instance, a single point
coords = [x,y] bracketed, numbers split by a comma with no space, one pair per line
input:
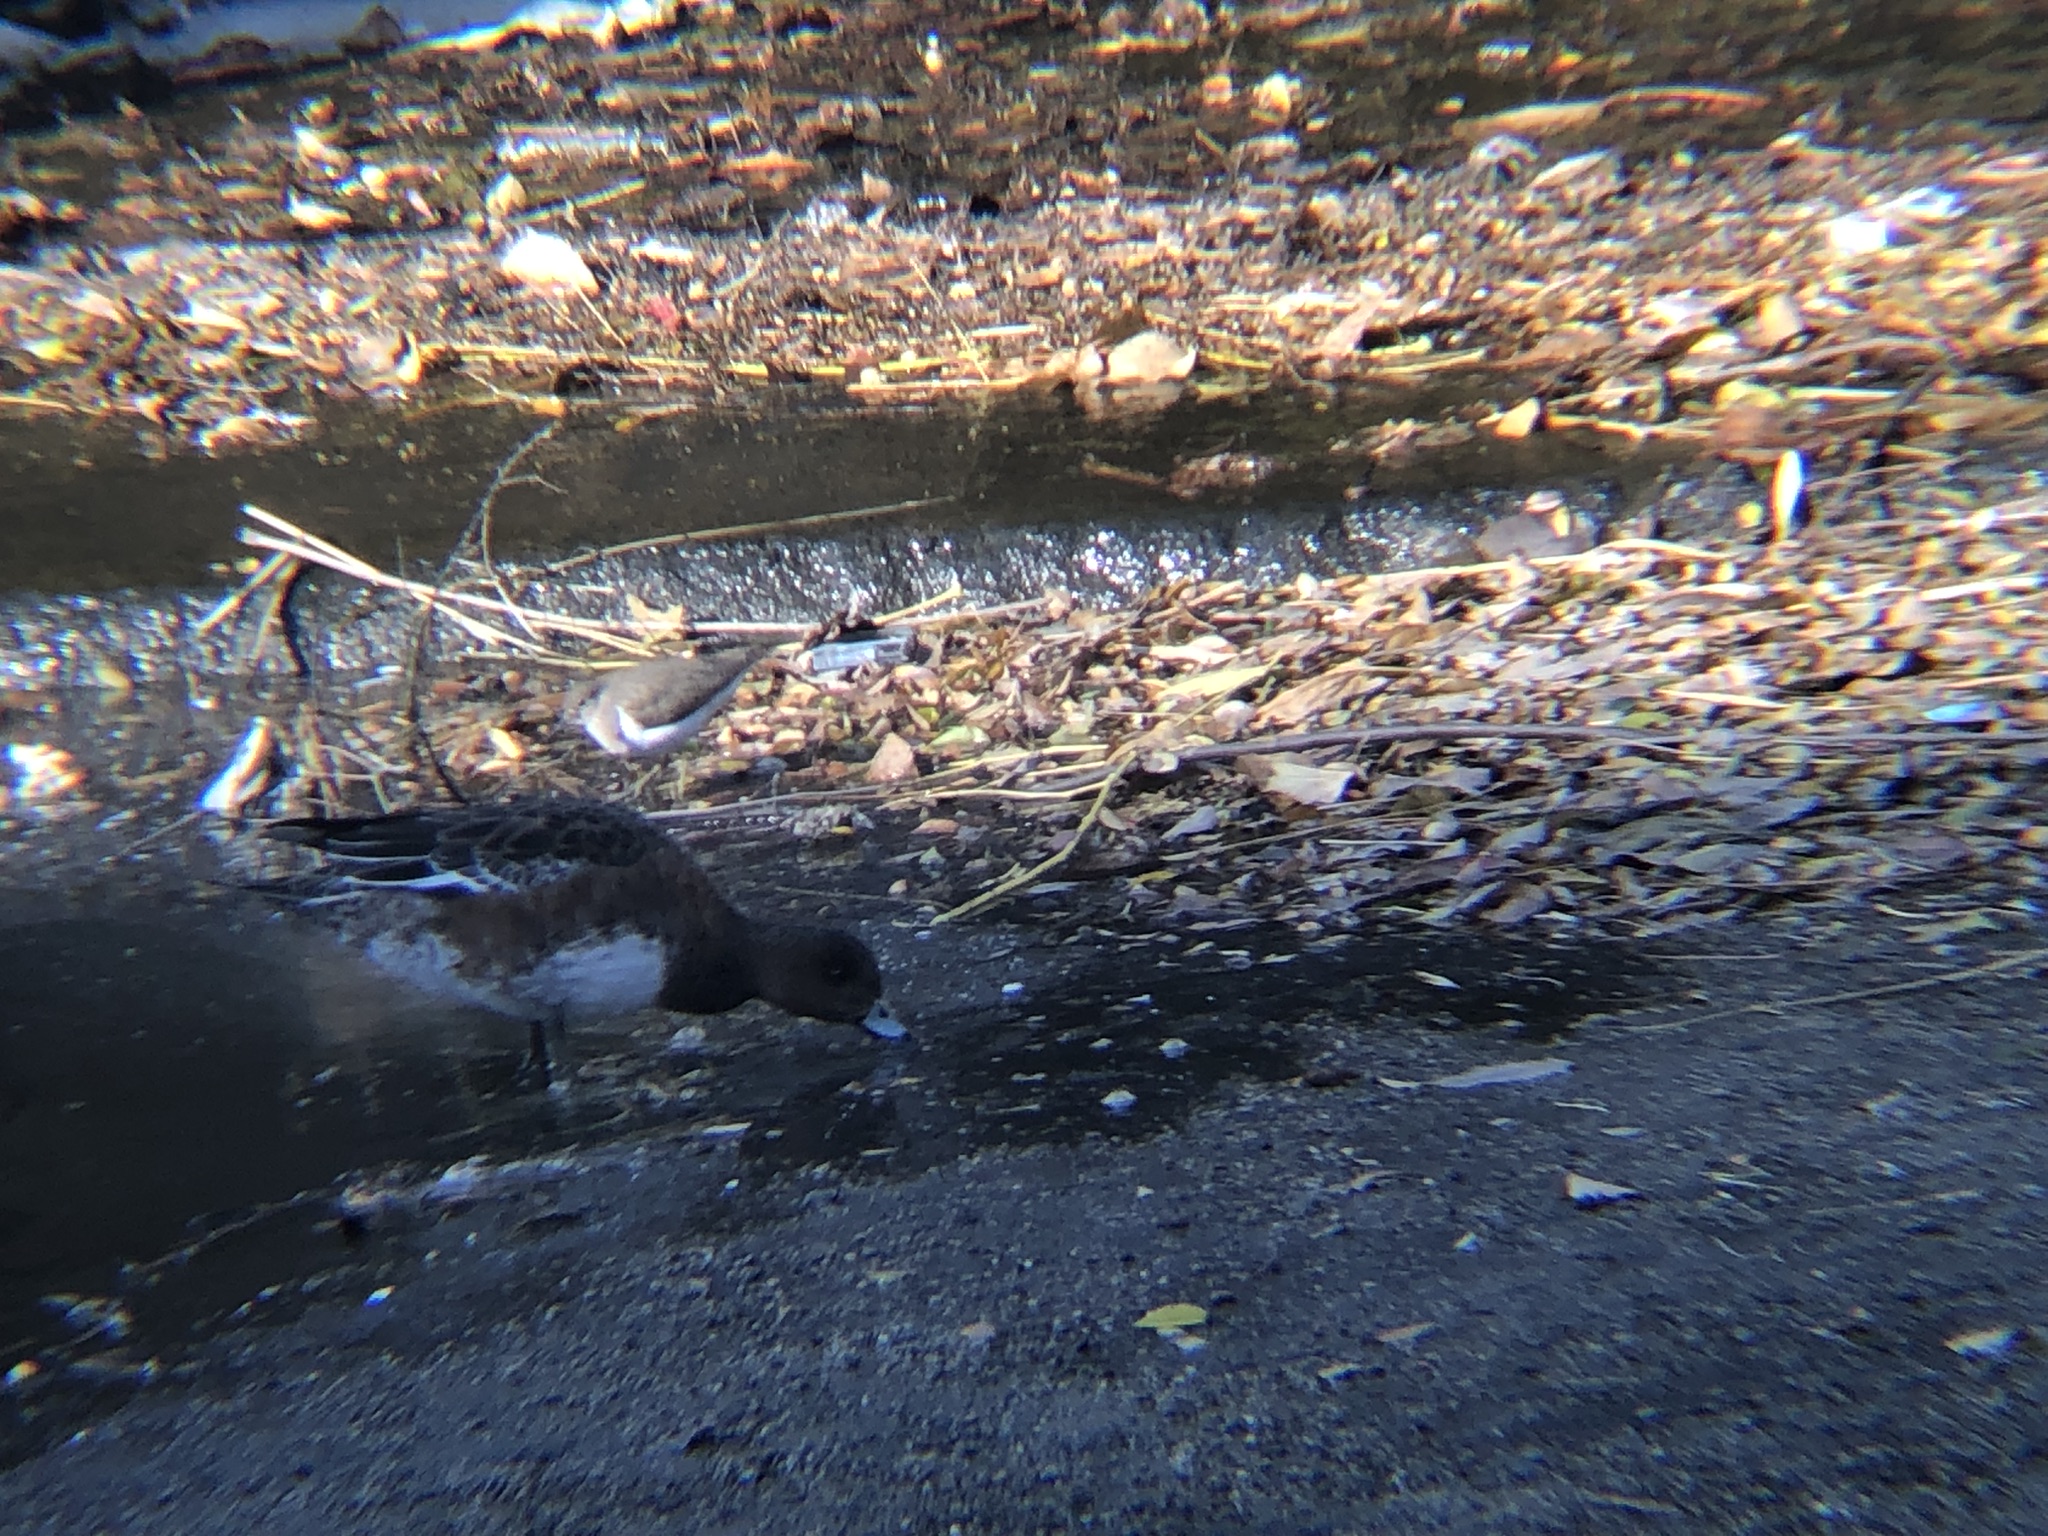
[1341,685]
[1285,774]
[1194,824]
[1203,686]
[1581,1190]
[1984,1343]
[1715,858]
[894,761]
[1521,904]
[1503,1072]
[1520,421]
[1177,1314]
[1530,835]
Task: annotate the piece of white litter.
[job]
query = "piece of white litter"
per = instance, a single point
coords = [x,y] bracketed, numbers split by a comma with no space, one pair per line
[665,253]
[43,775]
[1173,1048]
[1788,491]
[731,1130]
[1430,978]
[547,261]
[247,774]
[883,1024]
[1469,1243]
[459,1181]
[1984,1343]
[1581,1190]
[1502,1072]
[1012,990]
[1194,824]
[1119,1100]
[1932,205]
[1625,1132]
[1858,234]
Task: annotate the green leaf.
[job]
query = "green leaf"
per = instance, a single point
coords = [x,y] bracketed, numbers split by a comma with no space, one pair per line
[1175,1314]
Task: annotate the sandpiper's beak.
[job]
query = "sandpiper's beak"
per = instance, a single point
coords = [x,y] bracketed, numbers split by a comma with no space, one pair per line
[880,1021]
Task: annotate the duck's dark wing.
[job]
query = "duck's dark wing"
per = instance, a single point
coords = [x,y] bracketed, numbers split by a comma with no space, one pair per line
[454,850]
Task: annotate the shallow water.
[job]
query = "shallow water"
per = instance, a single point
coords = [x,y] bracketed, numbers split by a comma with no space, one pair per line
[88,514]
[189,1083]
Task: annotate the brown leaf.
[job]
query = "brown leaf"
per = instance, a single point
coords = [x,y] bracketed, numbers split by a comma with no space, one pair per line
[1335,688]
[1522,903]
[894,762]
[1287,775]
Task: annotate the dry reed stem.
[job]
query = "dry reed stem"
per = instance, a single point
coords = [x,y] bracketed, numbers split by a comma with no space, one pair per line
[312,549]
[230,605]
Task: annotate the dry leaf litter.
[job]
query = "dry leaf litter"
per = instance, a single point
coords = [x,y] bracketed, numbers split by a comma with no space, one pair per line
[674,223]
[1637,738]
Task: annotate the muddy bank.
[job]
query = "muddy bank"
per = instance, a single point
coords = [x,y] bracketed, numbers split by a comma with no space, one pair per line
[1813,1306]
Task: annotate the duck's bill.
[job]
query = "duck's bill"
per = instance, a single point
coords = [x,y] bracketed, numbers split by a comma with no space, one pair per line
[880,1021]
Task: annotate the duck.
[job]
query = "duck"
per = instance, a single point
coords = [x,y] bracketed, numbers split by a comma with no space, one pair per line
[558,910]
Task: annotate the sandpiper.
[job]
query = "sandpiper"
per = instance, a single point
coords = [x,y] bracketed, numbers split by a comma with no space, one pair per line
[656,706]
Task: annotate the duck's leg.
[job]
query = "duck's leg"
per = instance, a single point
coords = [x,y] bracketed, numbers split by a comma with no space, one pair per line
[558,1064]
[548,1060]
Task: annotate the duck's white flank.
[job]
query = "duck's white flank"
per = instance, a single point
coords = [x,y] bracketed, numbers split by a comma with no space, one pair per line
[596,978]
[599,977]
[428,961]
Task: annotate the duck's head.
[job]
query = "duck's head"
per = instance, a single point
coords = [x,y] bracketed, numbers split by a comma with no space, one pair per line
[825,973]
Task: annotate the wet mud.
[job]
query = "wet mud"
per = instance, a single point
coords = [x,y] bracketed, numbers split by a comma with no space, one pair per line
[190,1092]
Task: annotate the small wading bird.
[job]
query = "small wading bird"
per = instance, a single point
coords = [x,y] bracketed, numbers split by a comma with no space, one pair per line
[656,706]
[556,910]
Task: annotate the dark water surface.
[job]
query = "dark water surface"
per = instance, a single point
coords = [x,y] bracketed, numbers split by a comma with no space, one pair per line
[185,1088]
[89,514]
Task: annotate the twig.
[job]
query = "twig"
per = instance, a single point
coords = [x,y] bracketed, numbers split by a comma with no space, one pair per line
[1599,554]
[1999,967]
[952,593]
[1016,880]
[743,530]
[480,520]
